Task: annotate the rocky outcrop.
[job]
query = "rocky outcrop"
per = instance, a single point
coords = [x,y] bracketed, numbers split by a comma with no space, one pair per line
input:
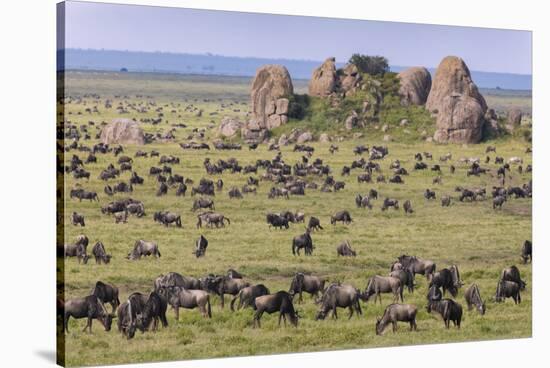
[324,79]
[460,120]
[229,127]
[415,85]
[349,78]
[269,103]
[122,131]
[513,118]
[452,76]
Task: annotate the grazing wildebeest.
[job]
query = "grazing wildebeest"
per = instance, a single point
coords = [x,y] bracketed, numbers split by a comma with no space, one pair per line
[448,309]
[429,194]
[364,178]
[77,250]
[107,294]
[212,218]
[121,216]
[179,297]
[396,179]
[180,191]
[77,219]
[83,194]
[247,296]
[175,279]
[527,252]
[388,202]
[306,283]
[445,201]
[125,321]
[342,296]
[166,218]
[222,285]
[100,253]
[89,307]
[162,190]
[473,297]
[508,289]
[136,179]
[277,221]
[343,216]
[407,206]
[200,246]
[383,284]
[417,265]
[405,276]
[235,193]
[303,241]
[314,224]
[362,202]
[144,248]
[512,274]
[137,209]
[467,194]
[280,302]
[203,203]
[153,311]
[397,313]
[344,249]
[498,201]
[447,279]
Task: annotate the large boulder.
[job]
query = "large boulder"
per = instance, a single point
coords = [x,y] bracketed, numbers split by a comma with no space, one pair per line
[324,80]
[452,76]
[122,131]
[304,137]
[415,85]
[229,127]
[460,120]
[349,78]
[271,83]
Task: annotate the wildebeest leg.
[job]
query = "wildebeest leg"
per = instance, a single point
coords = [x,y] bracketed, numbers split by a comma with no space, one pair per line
[394,326]
[257,317]
[66,322]
[177,310]
[350,311]
[222,297]
[88,324]
[334,313]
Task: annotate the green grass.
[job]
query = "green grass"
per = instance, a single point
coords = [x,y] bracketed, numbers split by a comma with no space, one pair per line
[478,239]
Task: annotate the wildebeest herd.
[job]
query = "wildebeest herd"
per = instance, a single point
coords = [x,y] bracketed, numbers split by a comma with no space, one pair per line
[143,311]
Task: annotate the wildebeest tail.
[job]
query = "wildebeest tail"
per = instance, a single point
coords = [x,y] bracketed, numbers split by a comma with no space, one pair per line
[228,222]
[178,221]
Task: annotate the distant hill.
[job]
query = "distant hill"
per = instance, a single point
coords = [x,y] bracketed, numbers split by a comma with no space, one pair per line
[234,66]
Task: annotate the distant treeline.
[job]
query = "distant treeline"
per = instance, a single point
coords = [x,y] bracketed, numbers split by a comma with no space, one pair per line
[234,66]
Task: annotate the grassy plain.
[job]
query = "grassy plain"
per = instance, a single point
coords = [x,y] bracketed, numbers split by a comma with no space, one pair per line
[478,239]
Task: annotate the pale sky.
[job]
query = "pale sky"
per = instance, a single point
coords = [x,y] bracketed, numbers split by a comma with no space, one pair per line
[150,28]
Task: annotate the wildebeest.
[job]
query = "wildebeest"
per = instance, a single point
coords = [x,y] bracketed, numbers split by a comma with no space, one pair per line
[429,194]
[222,285]
[508,289]
[417,265]
[181,190]
[397,313]
[445,201]
[343,216]
[162,190]
[512,274]
[447,279]
[179,297]
[306,283]
[78,249]
[498,201]
[121,216]
[314,224]
[100,254]
[77,219]
[473,297]
[362,202]
[303,241]
[175,279]
[364,178]
[137,209]
[235,193]
[153,311]
[527,252]
[126,323]
[448,309]
[144,248]
[339,296]
[211,219]
[388,202]
[89,307]
[407,206]
[396,179]
[247,296]
[83,194]
[203,203]
[107,294]
[166,218]
[200,246]
[344,249]
[383,284]
[405,276]
[277,221]
[280,302]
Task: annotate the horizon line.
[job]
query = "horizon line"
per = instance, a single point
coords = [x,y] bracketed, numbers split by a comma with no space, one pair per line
[271,58]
